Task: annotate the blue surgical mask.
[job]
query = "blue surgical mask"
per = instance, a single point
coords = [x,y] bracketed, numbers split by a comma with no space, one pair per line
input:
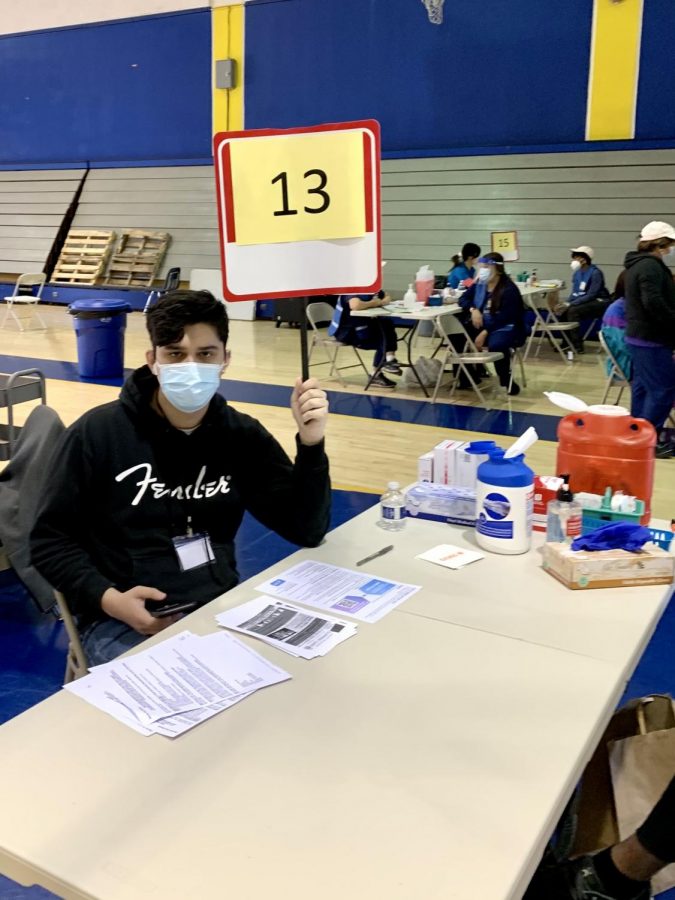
[484,274]
[189,386]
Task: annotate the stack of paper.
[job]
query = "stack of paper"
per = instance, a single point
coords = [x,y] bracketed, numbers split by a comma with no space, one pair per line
[287,627]
[178,683]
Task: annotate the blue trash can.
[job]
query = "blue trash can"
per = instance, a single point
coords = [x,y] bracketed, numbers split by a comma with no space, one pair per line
[100,327]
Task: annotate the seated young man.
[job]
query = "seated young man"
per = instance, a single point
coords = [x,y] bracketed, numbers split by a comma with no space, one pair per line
[367,334]
[147,492]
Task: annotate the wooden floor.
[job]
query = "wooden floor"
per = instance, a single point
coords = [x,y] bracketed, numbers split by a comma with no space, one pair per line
[365,452]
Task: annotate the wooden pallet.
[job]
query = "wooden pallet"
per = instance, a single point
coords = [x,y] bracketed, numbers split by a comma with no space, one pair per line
[138,257]
[83,256]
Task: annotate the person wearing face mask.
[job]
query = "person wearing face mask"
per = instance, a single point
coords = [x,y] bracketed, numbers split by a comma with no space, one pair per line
[650,327]
[494,314]
[589,297]
[147,493]
[463,266]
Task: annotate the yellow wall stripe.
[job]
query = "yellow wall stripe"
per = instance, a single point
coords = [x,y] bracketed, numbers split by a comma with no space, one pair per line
[614,69]
[227,42]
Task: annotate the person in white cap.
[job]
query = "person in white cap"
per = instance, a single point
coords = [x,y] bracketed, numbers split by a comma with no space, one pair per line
[589,297]
[650,328]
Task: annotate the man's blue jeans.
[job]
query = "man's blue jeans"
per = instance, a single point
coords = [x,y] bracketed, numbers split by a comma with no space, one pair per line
[108,638]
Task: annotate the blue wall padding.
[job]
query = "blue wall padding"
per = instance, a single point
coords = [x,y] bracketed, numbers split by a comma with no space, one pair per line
[137,89]
[493,74]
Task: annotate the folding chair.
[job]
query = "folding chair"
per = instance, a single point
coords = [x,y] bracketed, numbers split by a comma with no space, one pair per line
[449,324]
[517,357]
[77,664]
[171,282]
[26,301]
[548,326]
[616,377]
[322,313]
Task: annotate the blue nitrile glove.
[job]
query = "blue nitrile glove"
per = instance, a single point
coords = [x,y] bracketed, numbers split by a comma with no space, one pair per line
[615,536]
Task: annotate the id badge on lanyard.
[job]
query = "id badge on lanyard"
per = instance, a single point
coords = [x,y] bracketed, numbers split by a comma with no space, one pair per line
[193,550]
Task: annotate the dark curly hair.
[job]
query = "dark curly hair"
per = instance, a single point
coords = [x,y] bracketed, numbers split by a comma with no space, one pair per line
[167,319]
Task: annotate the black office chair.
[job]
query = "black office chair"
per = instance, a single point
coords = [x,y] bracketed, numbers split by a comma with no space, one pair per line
[171,282]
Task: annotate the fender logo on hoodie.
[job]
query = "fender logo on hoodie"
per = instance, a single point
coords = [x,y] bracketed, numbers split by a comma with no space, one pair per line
[200,490]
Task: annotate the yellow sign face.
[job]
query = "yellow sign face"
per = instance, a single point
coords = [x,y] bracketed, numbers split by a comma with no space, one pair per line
[504,242]
[304,187]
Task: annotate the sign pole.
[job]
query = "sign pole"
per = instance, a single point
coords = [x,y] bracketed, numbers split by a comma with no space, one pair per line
[304,352]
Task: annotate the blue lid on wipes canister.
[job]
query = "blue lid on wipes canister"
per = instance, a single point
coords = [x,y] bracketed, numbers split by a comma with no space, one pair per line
[505,472]
[481,448]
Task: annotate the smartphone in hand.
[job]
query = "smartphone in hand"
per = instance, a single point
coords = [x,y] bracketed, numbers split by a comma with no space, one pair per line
[169,607]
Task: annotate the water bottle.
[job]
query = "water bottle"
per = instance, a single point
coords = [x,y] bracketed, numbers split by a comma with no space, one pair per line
[392,508]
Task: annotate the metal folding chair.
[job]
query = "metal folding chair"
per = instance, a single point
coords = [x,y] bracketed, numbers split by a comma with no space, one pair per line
[321,314]
[548,326]
[171,282]
[77,664]
[616,377]
[449,324]
[25,301]
[517,357]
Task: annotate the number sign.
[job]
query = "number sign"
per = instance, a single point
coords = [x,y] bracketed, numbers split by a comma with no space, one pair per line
[298,187]
[299,210]
[506,243]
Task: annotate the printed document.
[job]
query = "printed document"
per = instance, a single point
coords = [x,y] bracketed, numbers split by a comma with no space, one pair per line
[366,597]
[287,627]
[174,685]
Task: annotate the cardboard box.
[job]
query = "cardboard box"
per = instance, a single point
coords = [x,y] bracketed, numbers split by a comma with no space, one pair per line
[441,503]
[588,569]
[425,467]
[440,462]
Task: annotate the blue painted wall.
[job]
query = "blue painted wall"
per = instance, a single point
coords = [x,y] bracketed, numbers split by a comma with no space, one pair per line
[656,98]
[494,73]
[137,89]
[496,76]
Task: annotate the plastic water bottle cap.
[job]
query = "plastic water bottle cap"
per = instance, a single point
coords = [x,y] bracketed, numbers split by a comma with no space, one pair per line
[393,485]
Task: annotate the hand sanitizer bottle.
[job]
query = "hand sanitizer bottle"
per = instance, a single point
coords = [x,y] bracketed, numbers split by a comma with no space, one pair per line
[563,515]
[410,298]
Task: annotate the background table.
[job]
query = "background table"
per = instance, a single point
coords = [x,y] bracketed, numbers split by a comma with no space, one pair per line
[419,760]
[410,318]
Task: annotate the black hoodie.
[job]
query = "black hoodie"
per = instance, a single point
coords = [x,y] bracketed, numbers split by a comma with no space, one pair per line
[650,299]
[125,482]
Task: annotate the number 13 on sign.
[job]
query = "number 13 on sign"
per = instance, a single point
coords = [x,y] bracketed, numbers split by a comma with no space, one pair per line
[298,187]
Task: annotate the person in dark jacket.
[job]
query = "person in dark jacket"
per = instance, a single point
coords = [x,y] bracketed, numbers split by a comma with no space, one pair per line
[494,314]
[589,297]
[650,328]
[147,493]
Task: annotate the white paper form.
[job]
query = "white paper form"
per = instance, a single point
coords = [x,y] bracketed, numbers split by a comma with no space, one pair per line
[366,597]
[450,556]
[289,628]
[214,671]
